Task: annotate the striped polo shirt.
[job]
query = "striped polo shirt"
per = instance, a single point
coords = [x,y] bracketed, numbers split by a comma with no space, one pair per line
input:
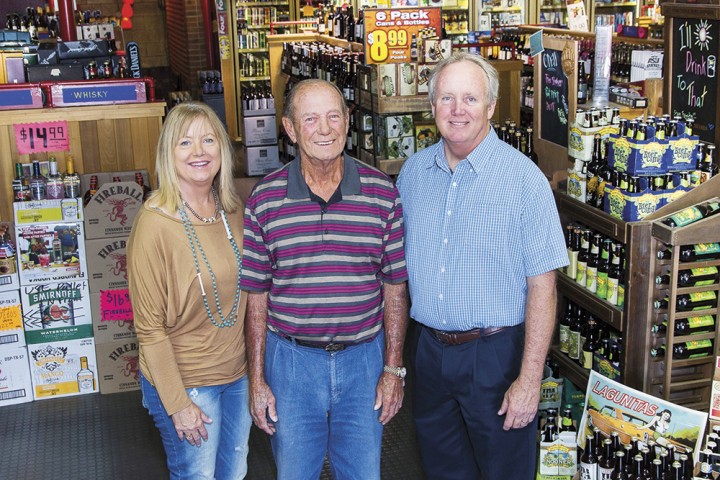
[324,264]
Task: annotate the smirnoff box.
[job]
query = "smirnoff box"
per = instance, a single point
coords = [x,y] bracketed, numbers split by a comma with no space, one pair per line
[112,316]
[11,320]
[50,252]
[107,263]
[15,384]
[63,368]
[118,366]
[55,312]
[111,211]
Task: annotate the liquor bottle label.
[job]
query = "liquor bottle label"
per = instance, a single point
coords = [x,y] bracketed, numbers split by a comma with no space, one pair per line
[687,216]
[701,321]
[706,248]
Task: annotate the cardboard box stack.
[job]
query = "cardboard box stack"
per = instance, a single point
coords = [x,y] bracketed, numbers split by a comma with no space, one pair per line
[109,215]
[54,295]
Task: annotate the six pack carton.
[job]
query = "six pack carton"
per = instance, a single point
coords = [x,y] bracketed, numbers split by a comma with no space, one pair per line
[63,368]
[55,312]
[15,384]
[11,320]
[118,366]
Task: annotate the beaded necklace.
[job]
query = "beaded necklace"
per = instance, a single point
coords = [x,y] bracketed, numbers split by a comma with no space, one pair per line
[231,319]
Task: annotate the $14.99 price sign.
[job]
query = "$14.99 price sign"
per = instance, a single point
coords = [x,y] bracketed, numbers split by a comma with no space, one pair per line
[391,34]
[41,137]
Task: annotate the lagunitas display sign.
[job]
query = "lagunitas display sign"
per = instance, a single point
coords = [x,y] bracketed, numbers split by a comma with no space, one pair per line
[56,311]
[111,211]
[394,35]
[118,366]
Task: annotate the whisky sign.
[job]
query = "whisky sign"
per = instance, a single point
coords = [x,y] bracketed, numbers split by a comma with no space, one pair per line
[392,34]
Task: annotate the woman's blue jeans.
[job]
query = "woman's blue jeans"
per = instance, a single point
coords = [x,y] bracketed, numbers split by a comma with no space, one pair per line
[224,455]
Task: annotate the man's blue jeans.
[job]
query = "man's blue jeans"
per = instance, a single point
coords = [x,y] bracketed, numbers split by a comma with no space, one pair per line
[325,404]
[224,455]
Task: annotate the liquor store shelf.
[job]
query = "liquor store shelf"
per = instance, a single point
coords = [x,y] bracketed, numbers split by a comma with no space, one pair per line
[610,314]
[569,368]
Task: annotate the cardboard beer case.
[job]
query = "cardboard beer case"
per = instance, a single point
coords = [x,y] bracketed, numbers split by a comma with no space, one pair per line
[56,368]
[15,383]
[118,366]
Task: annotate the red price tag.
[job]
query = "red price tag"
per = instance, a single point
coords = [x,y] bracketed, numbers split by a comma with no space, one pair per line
[41,137]
[115,306]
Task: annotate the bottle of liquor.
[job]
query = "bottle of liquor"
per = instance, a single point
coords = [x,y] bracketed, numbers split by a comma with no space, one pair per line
[330,21]
[339,24]
[606,466]
[57,249]
[685,350]
[21,185]
[140,181]
[588,461]
[320,19]
[54,187]
[91,191]
[37,183]
[692,214]
[687,326]
[71,180]
[620,471]
[582,86]
[85,377]
[583,258]
[564,328]
[592,263]
[694,277]
[690,301]
[360,27]
[350,25]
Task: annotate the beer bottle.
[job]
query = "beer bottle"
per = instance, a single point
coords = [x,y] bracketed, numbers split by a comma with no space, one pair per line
[564,328]
[685,350]
[574,344]
[583,258]
[603,268]
[582,93]
[574,252]
[705,471]
[529,146]
[687,466]
[592,171]
[690,301]
[592,263]
[687,326]
[620,471]
[614,277]
[638,470]
[568,246]
[566,422]
[657,473]
[588,461]
[590,345]
[692,214]
[694,277]
[605,178]
[606,466]
[615,439]
[623,128]
[676,472]
[708,167]
[697,172]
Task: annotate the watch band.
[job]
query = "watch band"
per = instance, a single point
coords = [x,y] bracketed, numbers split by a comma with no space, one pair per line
[397,371]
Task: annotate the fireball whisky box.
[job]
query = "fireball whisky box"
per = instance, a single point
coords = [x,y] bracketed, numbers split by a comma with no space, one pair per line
[63,368]
[55,312]
[12,333]
[111,211]
[15,384]
[118,366]
[106,263]
[50,252]
[112,316]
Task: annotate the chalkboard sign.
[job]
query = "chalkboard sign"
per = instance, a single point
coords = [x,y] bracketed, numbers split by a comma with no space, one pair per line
[694,73]
[554,99]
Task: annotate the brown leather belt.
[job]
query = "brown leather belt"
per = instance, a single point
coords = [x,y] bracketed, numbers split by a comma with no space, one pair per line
[458,338]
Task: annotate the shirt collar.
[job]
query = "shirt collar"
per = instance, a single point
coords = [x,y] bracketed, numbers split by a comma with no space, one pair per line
[298,189]
[480,155]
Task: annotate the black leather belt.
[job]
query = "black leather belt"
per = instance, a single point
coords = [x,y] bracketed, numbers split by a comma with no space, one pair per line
[458,338]
[328,347]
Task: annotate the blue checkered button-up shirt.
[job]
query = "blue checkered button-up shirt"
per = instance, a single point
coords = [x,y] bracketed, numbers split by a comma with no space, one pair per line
[474,235]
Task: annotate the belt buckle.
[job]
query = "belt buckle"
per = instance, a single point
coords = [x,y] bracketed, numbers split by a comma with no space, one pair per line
[334,347]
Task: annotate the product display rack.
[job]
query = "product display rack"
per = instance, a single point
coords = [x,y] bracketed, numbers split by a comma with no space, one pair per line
[635,236]
[625,13]
[687,382]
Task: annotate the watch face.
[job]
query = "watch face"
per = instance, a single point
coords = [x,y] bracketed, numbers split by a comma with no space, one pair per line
[402,372]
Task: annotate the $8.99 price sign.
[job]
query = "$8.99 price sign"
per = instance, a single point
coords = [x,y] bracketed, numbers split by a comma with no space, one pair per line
[41,137]
[389,32]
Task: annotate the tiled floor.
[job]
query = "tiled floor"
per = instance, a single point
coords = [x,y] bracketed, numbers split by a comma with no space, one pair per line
[102,437]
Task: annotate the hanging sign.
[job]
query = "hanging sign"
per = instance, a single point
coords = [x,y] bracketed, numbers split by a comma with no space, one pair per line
[392,34]
[41,137]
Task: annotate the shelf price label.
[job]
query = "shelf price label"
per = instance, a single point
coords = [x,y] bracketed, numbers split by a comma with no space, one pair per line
[392,34]
[115,306]
[41,137]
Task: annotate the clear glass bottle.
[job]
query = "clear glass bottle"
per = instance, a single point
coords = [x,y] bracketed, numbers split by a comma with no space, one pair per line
[71,180]
[54,187]
[37,183]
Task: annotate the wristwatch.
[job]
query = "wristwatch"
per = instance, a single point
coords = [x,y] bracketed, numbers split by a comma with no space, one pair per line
[397,371]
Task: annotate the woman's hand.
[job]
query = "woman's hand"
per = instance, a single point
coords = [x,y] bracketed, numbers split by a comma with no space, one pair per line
[190,424]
